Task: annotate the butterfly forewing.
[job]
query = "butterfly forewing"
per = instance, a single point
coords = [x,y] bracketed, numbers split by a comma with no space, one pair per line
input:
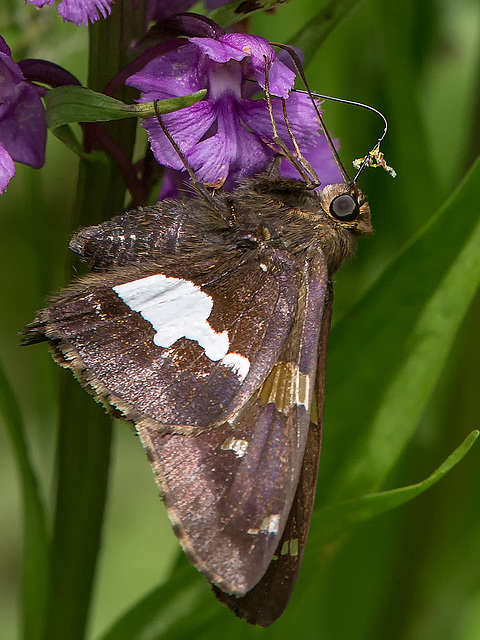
[162,358]
[267,600]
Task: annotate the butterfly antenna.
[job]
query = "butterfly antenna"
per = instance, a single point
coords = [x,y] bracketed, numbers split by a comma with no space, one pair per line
[299,162]
[299,67]
[197,185]
[374,158]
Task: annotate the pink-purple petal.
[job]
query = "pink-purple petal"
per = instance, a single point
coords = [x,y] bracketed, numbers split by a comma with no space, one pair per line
[305,126]
[41,3]
[83,11]
[22,121]
[22,127]
[218,50]
[321,159]
[210,160]
[176,73]
[280,79]
[225,82]
[260,51]
[10,74]
[78,11]
[253,157]
[228,139]
[186,127]
[4,48]
[301,114]
[231,154]
[255,47]
[174,184]
[7,169]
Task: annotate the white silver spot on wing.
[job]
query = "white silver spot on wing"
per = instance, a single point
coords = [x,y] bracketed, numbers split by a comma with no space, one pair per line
[263,267]
[176,309]
[240,364]
[239,447]
[270,523]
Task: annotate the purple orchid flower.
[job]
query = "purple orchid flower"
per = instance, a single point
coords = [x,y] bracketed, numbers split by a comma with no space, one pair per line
[228,135]
[84,11]
[23,131]
[161,9]
[78,11]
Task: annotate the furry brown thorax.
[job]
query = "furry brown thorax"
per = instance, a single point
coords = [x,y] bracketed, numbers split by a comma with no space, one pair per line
[263,212]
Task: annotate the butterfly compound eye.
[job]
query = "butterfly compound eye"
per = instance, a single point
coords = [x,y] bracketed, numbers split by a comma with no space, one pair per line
[344,207]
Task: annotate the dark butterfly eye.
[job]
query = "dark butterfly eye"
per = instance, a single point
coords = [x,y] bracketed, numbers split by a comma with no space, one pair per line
[344,207]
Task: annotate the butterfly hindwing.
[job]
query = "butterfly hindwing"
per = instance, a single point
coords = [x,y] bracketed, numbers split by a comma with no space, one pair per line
[265,603]
[152,233]
[229,490]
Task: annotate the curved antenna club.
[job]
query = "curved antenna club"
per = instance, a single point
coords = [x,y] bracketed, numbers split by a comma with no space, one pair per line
[374,158]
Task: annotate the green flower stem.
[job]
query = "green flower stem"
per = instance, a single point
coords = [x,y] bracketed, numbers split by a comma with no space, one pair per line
[101,190]
[85,432]
[83,461]
[35,570]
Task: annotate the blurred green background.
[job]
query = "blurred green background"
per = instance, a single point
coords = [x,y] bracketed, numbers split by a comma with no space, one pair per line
[412,574]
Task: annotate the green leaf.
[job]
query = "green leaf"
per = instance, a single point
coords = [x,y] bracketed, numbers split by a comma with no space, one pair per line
[180,607]
[311,36]
[397,340]
[79,104]
[332,521]
[155,614]
[66,134]
[36,571]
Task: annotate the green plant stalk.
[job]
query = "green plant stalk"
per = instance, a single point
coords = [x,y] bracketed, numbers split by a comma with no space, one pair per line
[35,569]
[101,190]
[85,430]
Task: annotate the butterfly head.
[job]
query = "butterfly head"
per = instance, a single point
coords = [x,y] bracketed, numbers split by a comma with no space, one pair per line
[348,207]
